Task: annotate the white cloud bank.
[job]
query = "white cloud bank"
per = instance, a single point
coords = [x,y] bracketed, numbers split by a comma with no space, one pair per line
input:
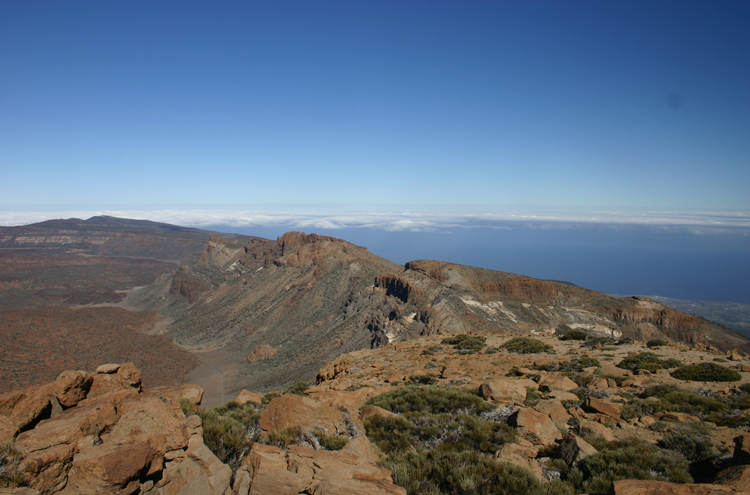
[414,221]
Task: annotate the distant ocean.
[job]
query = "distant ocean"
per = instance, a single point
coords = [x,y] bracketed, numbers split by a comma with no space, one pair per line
[611,259]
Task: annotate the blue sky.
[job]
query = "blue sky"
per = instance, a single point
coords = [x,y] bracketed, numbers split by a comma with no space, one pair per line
[493,106]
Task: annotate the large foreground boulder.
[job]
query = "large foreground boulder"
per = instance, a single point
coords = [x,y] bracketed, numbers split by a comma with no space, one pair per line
[269,470]
[90,434]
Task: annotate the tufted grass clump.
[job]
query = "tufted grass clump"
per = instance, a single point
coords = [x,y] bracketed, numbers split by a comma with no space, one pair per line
[706,372]
[431,399]
[316,439]
[647,361]
[10,474]
[229,431]
[527,345]
[627,459]
[466,344]
[298,388]
[574,335]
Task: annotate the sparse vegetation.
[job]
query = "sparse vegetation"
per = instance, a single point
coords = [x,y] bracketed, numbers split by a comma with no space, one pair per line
[298,388]
[706,372]
[313,439]
[655,343]
[527,345]
[432,350]
[10,474]
[648,361]
[431,399]
[464,473]
[466,344]
[427,379]
[627,459]
[573,366]
[574,335]
[691,440]
[229,431]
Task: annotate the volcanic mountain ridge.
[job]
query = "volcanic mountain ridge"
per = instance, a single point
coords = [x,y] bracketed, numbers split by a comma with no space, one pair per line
[311,298]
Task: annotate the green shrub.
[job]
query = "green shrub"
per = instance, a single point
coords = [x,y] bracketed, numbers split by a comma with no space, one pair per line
[188,407]
[627,459]
[331,442]
[428,379]
[690,441]
[229,431]
[706,372]
[574,335]
[432,350]
[269,397]
[527,345]
[659,391]
[573,366]
[673,401]
[655,343]
[466,344]
[444,432]
[298,388]
[431,399]
[647,361]
[430,365]
[466,473]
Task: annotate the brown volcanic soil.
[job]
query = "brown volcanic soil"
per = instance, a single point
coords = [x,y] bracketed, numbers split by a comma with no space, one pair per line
[38,277]
[39,344]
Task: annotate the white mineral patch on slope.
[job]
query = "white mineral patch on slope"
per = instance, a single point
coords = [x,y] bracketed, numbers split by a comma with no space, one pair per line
[492,307]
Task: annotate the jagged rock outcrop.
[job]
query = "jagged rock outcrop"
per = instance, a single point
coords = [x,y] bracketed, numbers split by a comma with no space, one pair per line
[99,433]
[269,470]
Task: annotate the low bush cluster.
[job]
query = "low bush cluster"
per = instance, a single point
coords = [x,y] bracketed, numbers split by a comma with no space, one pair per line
[647,361]
[298,388]
[706,372]
[574,335]
[427,379]
[627,459]
[466,344]
[527,345]
[431,399]
[573,366]
[229,431]
[655,343]
[463,473]
[691,440]
[445,432]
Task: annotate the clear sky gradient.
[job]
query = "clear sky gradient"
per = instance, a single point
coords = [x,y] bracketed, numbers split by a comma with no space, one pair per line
[141,105]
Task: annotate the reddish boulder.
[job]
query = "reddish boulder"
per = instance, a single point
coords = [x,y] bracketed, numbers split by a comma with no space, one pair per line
[247,396]
[538,427]
[504,391]
[573,448]
[595,405]
[292,410]
[71,387]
